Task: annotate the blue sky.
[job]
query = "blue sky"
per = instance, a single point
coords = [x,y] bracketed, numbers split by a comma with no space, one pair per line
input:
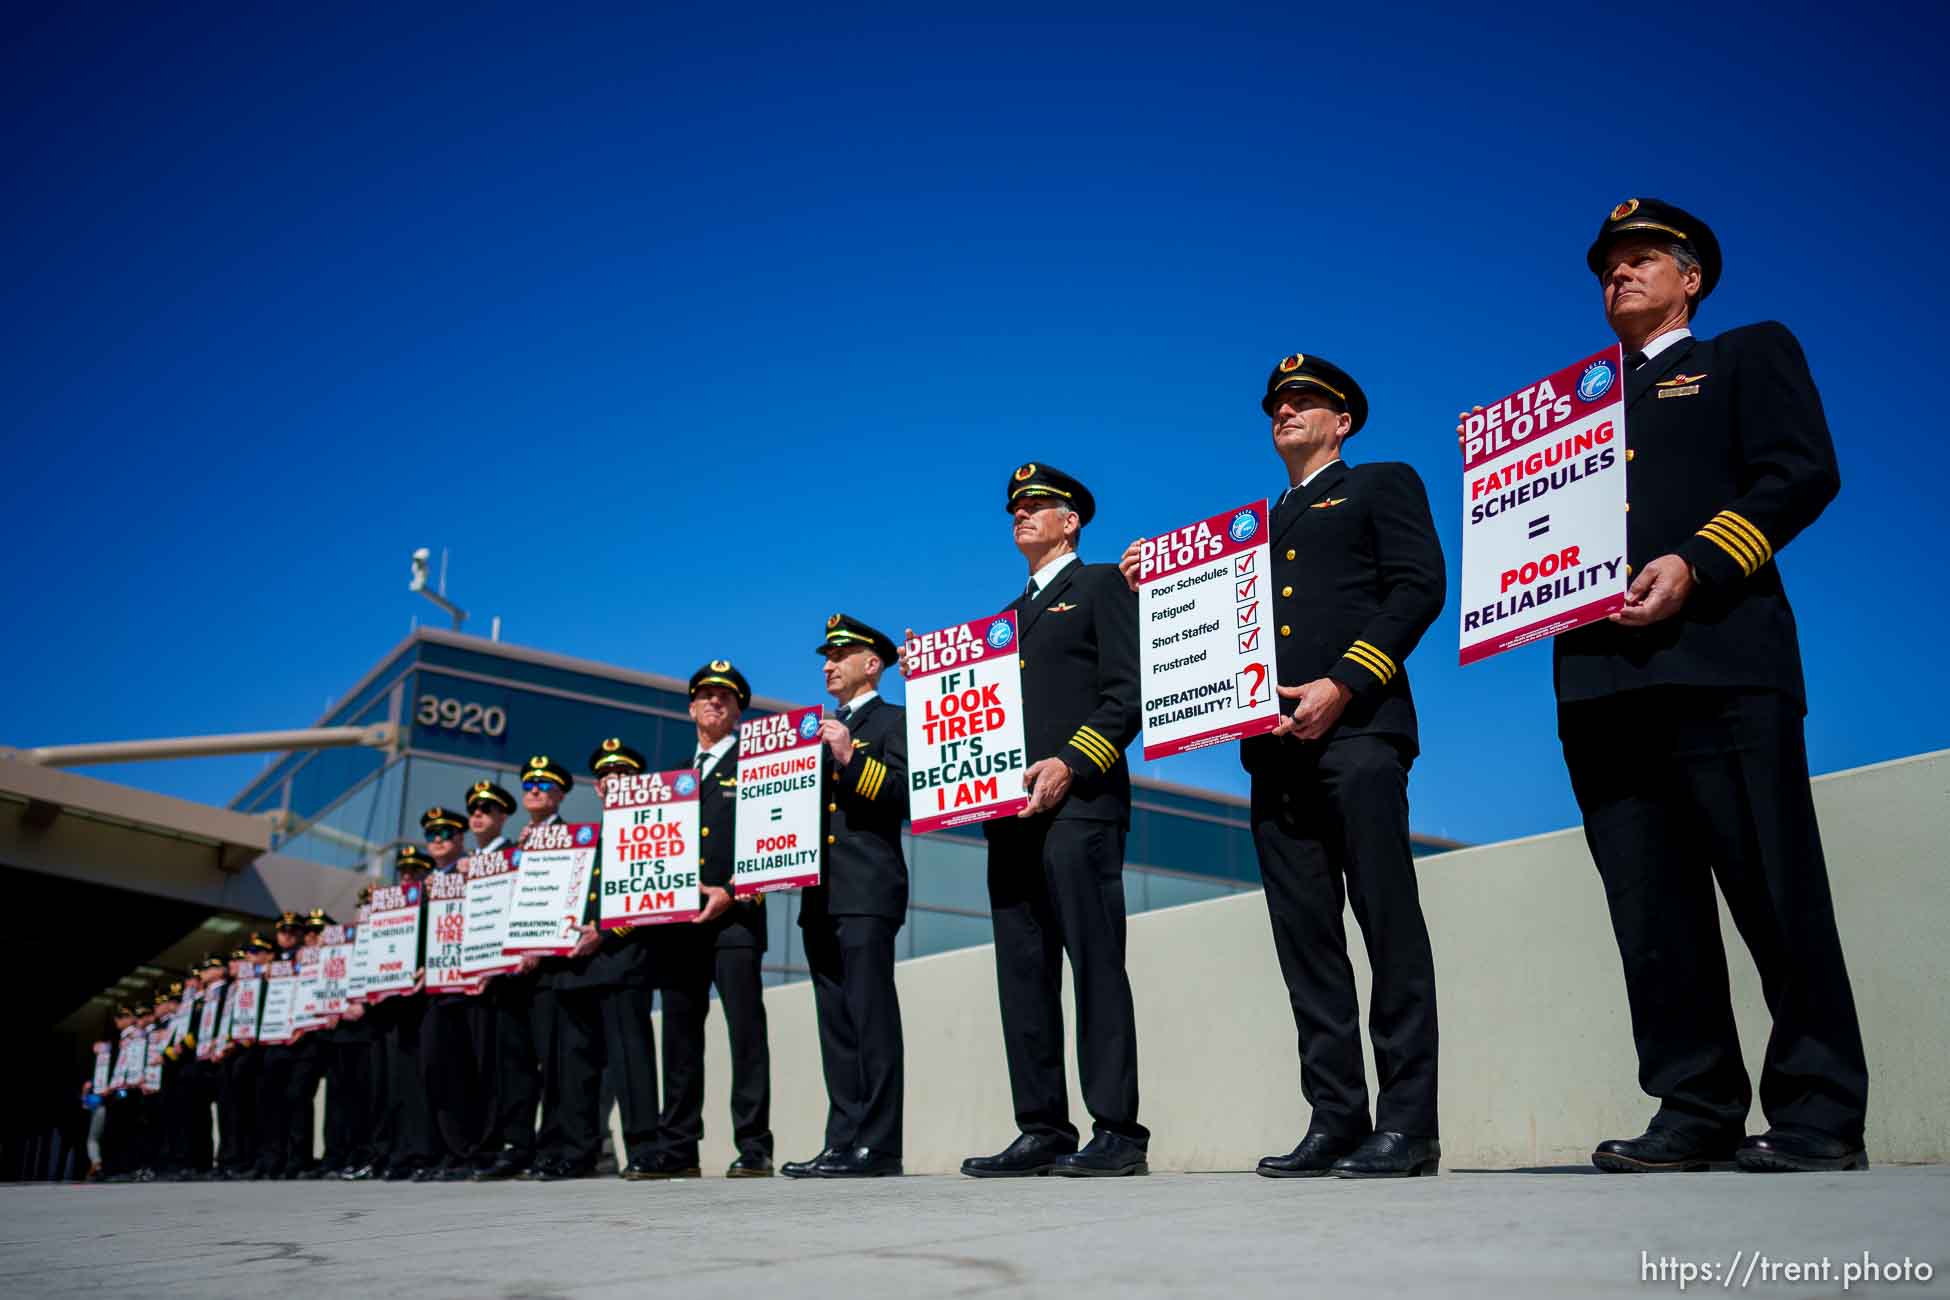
[682,328]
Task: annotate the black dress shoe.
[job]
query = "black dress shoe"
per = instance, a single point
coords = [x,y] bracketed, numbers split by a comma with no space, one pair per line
[563,1171]
[1391,1155]
[750,1164]
[427,1174]
[1313,1158]
[861,1162]
[1028,1156]
[804,1168]
[505,1167]
[1107,1155]
[398,1174]
[1799,1151]
[1662,1151]
[664,1164]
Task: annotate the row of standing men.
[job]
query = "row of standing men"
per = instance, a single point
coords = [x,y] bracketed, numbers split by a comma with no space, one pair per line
[1681,722]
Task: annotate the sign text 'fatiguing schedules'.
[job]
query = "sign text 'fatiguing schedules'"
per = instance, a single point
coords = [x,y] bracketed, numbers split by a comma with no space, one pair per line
[1205,633]
[1543,497]
[392,932]
[776,825]
[650,848]
[966,754]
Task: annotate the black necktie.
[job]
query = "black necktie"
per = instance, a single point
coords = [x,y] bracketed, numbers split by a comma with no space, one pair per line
[1634,361]
[1029,591]
[703,756]
[845,712]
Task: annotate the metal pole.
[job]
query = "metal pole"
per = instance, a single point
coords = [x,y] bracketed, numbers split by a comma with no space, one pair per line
[379,735]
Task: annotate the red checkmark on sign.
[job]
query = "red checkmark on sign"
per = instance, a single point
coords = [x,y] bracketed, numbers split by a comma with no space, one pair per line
[1244,564]
[1246,588]
[1249,641]
[1249,614]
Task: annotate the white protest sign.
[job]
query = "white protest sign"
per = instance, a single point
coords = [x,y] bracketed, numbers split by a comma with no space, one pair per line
[1205,633]
[551,889]
[965,747]
[358,974]
[490,897]
[104,1064]
[246,1004]
[650,848]
[1543,496]
[392,936]
[776,826]
[280,1001]
[306,1010]
[446,931]
[209,1021]
[152,1057]
[335,971]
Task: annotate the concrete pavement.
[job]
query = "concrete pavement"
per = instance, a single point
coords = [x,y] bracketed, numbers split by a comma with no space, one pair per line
[1510,1233]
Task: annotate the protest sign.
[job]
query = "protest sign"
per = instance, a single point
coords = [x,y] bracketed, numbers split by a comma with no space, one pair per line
[776,826]
[128,1059]
[335,974]
[274,1022]
[246,1006]
[392,935]
[1205,633]
[551,889]
[1543,495]
[650,848]
[152,1057]
[358,974]
[104,1066]
[306,1014]
[210,1018]
[446,931]
[965,748]
[490,894]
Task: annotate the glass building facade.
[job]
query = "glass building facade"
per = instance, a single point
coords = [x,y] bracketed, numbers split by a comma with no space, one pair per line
[468,708]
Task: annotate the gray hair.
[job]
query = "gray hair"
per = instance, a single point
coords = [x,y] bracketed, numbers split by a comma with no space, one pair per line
[1688,261]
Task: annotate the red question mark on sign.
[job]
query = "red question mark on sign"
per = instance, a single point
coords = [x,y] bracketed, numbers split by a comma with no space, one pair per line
[1258,673]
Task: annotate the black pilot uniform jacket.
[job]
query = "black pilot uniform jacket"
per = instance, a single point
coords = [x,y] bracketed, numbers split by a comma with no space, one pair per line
[864,872]
[1728,459]
[1357,579]
[1080,688]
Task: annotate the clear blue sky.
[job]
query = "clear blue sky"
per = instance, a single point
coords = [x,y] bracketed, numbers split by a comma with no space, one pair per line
[683,328]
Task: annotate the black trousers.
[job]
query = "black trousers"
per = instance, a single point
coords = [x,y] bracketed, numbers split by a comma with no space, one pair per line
[852,961]
[516,1088]
[237,1109]
[451,1074]
[1681,787]
[274,1069]
[122,1133]
[688,966]
[405,1137]
[597,1031]
[178,1098]
[301,1100]
[196,1092]
[1330,823]
[1057,887]
[351,1114]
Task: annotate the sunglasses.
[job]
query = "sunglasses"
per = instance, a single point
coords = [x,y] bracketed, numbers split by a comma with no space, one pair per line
[538,787]
[442,834]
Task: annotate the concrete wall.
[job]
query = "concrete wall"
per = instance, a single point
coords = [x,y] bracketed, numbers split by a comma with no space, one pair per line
[1537,1059]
